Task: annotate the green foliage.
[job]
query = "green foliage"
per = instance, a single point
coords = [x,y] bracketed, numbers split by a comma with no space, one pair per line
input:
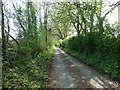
[28,67]
[27,72]
[26,64]
[101,51]
[81,43]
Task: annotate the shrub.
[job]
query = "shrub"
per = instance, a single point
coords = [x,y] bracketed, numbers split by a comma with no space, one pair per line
[102,51]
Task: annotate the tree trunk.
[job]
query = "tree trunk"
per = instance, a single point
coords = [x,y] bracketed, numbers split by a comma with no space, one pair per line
[8,30]
[45,23]
[3,34]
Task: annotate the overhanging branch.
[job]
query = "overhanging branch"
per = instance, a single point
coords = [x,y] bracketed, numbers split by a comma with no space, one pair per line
[12,38]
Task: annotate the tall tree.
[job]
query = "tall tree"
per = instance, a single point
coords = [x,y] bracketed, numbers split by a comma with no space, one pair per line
[3,33]
[45,21]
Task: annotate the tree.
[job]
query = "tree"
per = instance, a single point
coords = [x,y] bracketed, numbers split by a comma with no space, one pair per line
[102,18]
[3,33]
[60,20]
[45,21]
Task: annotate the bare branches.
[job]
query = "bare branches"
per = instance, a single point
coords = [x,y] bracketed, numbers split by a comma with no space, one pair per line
[12,38]
[18,18]
[115,5]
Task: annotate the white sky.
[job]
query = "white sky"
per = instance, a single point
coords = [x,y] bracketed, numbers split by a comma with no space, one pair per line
[112,17]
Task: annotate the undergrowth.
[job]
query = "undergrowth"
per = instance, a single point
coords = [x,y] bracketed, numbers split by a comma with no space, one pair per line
[27,72]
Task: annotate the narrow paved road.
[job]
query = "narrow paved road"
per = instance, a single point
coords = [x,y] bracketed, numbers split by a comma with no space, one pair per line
[68,72]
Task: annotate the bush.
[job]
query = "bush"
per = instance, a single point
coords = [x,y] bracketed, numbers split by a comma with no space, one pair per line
[101,51]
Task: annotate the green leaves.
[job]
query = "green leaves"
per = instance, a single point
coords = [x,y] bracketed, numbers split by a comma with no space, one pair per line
[96,50]
[28,72]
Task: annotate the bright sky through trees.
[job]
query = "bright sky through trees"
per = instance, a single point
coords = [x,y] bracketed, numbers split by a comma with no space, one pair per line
[112,17]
